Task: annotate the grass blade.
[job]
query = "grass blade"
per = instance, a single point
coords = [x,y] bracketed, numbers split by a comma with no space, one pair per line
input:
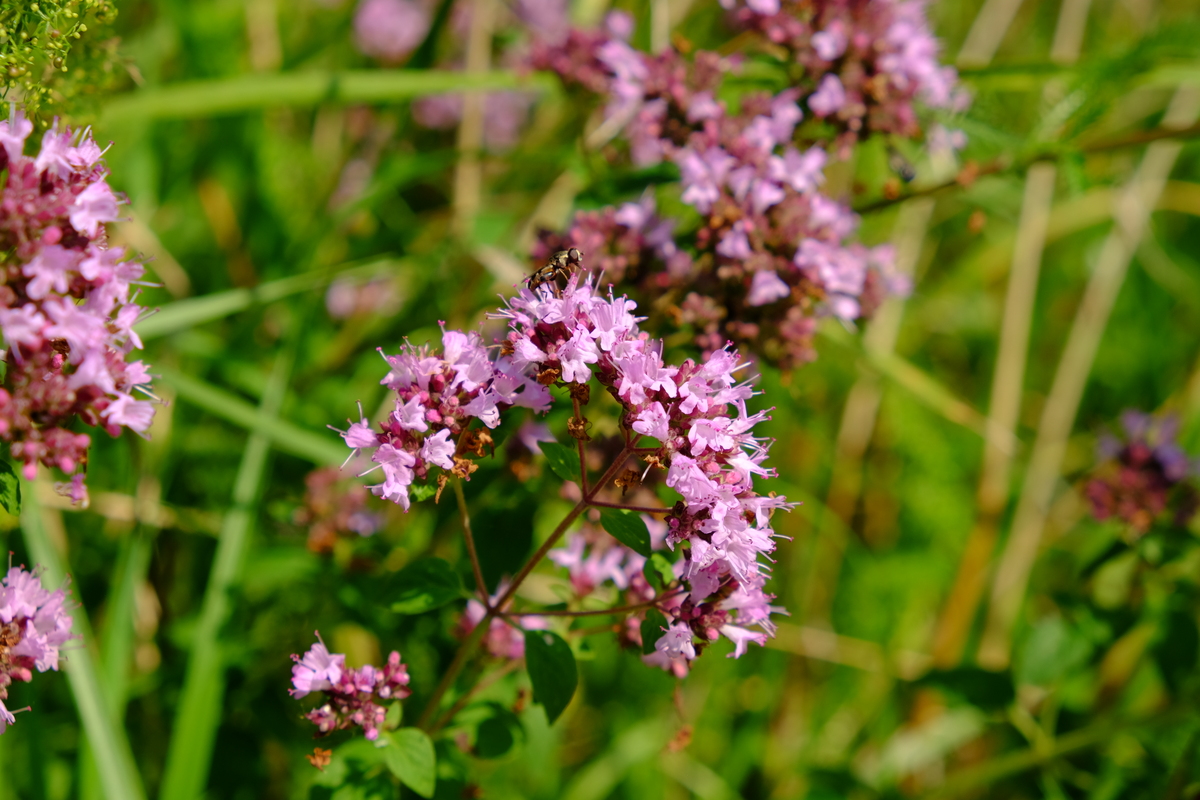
[114,757]
[190,755]
[185,314]
[285,436]
[197,99]
[1133,208]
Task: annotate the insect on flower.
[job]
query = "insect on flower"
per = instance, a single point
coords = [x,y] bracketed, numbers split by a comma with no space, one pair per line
[559,268]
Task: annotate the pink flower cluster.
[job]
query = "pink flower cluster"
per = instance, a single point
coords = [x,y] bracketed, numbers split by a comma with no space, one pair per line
[772,251]
[870,62]
[697,413]
[66,307]
[437,396]
[352,697]
[33,626]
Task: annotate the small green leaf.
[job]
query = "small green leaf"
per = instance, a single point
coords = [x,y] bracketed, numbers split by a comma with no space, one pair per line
[979,687]
[652,630]
[658,571]
[10,489]
[494,738]
[552,671]
[562,459]
[422,491]
[628,528]
[410,757]
[1052,650]
[425,585]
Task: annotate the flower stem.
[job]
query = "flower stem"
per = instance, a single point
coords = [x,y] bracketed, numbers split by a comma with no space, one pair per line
[583,480]
[470,540]
[476,635]
[642,509]
[596,613]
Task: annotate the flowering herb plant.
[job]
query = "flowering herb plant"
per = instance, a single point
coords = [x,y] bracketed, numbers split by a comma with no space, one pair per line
[657,521]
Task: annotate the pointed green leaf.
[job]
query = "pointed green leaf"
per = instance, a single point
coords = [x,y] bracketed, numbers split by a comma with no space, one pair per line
[552,671]
[425,585]
[628,528]
[10,489]
[410,757]
[562,459]
[652,630]
[658,571]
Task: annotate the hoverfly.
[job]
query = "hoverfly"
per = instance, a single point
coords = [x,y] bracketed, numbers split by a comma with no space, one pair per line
[559,268]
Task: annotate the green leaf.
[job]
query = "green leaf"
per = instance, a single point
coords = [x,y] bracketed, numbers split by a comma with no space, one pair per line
[562,459]
[658,571]
[409,755]
[422,491]
[1053,650]
[628,528]
[425,585]
[552,671]
[494,737]
[10,489]
[652,630]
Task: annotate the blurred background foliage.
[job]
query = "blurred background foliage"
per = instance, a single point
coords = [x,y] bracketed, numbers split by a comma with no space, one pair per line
[914,663]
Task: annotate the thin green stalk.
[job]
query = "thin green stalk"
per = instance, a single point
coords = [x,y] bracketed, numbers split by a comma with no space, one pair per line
[114,757]
[189,758]
[116,644]
[197,99]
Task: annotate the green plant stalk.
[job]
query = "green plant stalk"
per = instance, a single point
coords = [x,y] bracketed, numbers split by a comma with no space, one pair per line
[189,758]
[114,757]
[197,99]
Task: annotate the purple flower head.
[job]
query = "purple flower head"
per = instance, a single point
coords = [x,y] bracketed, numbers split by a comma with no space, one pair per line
[390,29]
[1144,475]
[317,670]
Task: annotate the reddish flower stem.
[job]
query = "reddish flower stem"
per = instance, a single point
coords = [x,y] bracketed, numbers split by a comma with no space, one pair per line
[470,541]
[579,445]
